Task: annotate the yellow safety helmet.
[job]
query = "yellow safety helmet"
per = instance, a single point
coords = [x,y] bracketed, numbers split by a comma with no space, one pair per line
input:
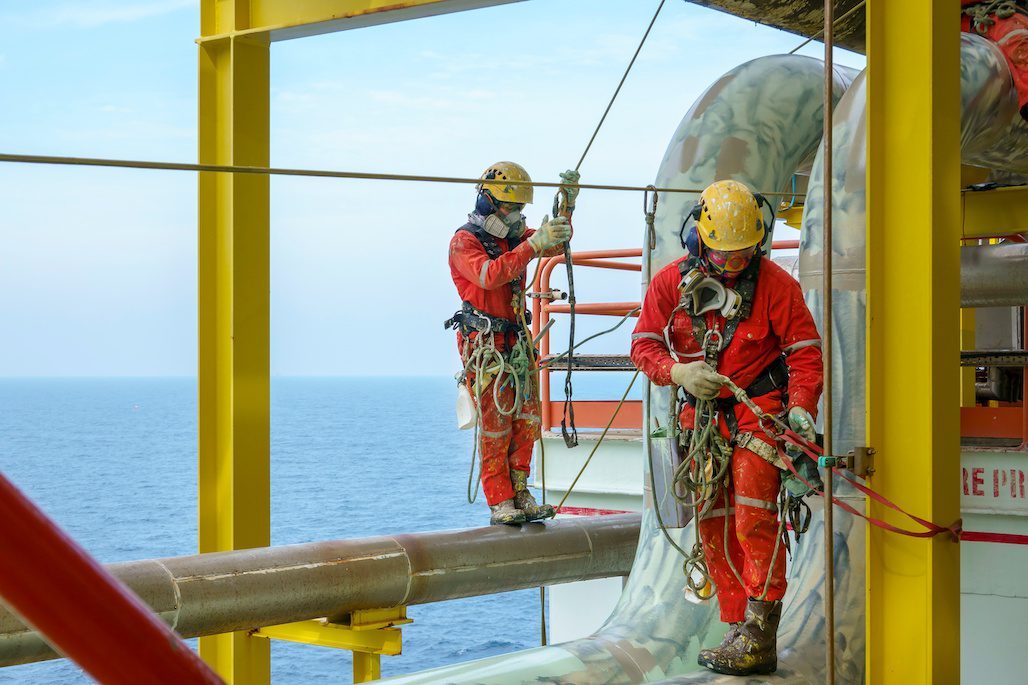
[728,217]
[495,176]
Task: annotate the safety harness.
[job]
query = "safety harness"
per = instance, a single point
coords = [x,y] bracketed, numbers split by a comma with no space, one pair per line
[712,341]
[469,319]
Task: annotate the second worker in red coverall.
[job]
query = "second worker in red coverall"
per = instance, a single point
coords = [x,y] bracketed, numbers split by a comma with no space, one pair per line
[489,256]
[768,346]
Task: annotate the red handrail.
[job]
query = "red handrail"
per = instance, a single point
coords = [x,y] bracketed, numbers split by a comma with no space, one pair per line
[82,610]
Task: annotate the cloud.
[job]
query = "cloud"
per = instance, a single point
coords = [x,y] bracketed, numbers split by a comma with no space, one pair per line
[94,13]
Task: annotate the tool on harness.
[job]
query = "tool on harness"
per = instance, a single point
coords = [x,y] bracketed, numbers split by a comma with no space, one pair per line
[468,320]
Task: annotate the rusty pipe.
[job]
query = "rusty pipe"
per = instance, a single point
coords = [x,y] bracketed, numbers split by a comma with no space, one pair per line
[222,592]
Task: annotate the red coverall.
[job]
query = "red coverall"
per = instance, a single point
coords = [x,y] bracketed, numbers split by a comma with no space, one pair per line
[779,323]
[505,442]
[1011,36]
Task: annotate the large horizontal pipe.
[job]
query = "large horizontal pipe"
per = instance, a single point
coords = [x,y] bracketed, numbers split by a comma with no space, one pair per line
[994,275]
[222,592]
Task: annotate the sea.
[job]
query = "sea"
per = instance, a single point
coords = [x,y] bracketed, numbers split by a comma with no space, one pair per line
[114,462]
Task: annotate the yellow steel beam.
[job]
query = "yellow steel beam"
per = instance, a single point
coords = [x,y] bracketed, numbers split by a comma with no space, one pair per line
[997,212]
[913,281]
[380,641]
[234,493]
[286,19]
[366,667]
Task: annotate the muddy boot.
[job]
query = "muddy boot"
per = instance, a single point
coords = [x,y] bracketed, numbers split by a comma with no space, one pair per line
[708,656]
[505,512]
[754,649]
[524,500]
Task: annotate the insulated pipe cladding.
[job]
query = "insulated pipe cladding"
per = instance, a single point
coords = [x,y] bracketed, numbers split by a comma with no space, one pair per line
[994,275]
[222,592]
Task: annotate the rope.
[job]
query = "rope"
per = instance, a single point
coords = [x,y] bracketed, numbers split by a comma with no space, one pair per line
[568,418]
[317,173]
[820,33]
[483,363]
[787,437]
[983,15]
[620,83]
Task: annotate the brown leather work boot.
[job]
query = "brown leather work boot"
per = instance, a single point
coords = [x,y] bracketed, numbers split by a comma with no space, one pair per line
[708,655]
[755,647]
[524,500]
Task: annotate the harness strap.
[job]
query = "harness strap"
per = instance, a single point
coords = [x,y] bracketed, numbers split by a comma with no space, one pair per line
[763,450]
[469,319]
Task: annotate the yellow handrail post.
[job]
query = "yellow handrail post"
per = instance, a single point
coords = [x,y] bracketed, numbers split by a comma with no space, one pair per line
[233,271]
[913,334]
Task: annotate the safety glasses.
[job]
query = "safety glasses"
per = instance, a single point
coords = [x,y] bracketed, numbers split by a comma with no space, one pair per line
[730,260]
[511,206]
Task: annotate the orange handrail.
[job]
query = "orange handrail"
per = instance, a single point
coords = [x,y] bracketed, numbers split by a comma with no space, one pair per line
[541,311]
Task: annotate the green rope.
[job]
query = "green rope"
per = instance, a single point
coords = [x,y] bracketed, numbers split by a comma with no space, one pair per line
[702,477]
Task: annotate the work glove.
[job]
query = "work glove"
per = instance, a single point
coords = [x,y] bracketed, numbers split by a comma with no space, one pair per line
[807,468]
[802,422]
[569,181]
[553,232]
[698,379]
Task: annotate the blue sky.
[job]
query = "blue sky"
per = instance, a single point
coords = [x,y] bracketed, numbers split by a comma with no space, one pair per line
[98,266]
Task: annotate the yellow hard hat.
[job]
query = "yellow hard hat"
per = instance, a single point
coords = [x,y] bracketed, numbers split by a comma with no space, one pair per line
[495,176]
[728,217]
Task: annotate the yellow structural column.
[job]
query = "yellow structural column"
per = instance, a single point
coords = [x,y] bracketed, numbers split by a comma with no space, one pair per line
[234,493]
[913,267]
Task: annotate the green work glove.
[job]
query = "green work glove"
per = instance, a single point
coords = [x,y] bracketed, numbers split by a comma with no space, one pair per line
[698,379]
[569,184]
[807,468]
[553,232]
[802,422]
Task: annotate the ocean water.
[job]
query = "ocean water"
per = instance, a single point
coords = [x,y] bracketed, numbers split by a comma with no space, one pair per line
[113,461]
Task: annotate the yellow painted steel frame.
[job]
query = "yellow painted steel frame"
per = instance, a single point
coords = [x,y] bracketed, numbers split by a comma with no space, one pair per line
[234,283]
[989,213]
[368,633]
[913,267]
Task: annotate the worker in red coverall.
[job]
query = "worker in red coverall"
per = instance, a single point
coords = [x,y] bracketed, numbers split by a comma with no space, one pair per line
[760,335]
[489,256]
[1004,22]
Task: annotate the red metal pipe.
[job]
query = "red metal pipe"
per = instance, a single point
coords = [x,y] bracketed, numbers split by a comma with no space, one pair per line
[785,244]
[83,611]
